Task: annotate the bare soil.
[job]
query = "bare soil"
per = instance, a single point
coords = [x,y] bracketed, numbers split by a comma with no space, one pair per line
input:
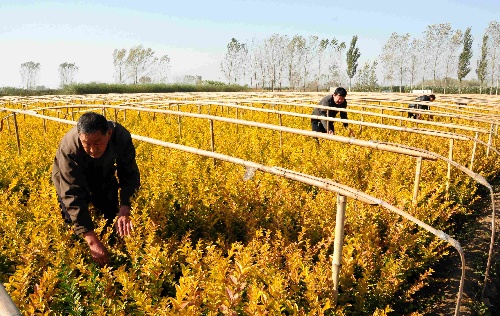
[475,243]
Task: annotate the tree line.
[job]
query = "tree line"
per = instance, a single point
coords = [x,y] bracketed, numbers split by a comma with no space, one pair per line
[135,65]
[30,73]
[441,56]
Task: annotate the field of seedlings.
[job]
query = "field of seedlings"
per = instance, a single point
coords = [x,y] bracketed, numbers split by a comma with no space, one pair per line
[238,210]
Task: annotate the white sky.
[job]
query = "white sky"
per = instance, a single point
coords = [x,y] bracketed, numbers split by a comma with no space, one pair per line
[194,34]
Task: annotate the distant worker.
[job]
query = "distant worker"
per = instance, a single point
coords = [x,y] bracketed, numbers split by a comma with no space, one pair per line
[84,169]
[336,101]
[430,98]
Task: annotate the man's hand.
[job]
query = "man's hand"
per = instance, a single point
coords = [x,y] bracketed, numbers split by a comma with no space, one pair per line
[123,223]
[97,249]
[351,133]
[331,132]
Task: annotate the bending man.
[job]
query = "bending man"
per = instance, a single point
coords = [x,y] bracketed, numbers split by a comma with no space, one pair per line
[429,98]
[336,101]
[83,173]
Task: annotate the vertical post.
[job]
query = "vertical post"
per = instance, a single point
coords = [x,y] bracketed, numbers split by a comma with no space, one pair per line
[237,118]
[44,122]
[72,115]
[338,243]
[124,115]
[382,118]
[116,115]
[418,172]
[489,141]
[327,122]
[180,126]
[281,133]
[362,120]
[17,135]
[473,151]
[104,112]
[448,175]
[212,140]
[7,305]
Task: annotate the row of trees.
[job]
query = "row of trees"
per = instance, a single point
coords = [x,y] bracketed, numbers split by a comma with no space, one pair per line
[296,62]
[440,55]
[443,53]
[140,65]
[135,65]
[30,73]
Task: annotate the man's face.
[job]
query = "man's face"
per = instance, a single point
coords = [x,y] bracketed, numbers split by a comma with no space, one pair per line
[338,99]
[95,143]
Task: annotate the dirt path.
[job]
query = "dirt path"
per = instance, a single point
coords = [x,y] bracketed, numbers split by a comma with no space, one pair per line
[476,246]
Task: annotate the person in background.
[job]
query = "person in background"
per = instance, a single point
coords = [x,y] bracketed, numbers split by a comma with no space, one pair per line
[429,98]
[336,101]
[94,162]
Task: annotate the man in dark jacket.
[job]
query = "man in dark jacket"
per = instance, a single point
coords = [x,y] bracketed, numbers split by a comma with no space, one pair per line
[335,101]
[429,98]
[83,173]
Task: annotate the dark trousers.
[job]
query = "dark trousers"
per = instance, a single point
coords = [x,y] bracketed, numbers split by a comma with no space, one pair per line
[104,200]
[316,126]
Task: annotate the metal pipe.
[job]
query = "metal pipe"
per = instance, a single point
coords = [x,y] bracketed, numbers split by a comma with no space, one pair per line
[44,122]
[338,244]
[448,174]
[417,179]
[489,141]
[212,140]
[281,132]
[17,135]
[7,305]
[473,151]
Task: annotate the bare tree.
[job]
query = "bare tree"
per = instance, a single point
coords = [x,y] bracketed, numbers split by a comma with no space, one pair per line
[335,66]
[452,43]
[275,50]
[416,60]
[231,65]
[396,57]
[255,57]
[436,37]
[140,63]
[294,60]
[162,69]
[30,71]
[308,51]
[120,64]
[274,58]
[493,31]
[67,73]
[367,76]
[322,46]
